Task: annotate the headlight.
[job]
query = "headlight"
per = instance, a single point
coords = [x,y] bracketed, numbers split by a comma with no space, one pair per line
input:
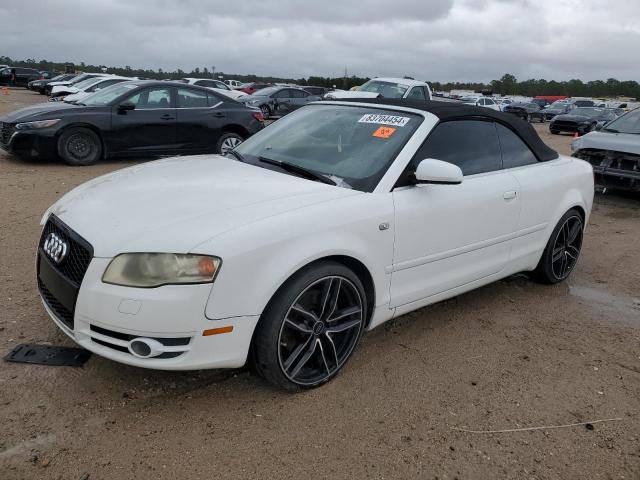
[147,270]
[38,124]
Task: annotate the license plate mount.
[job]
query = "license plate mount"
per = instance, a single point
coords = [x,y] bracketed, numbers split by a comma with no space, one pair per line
[48,355]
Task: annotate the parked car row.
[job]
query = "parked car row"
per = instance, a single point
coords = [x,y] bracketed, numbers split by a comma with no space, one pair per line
[19,76]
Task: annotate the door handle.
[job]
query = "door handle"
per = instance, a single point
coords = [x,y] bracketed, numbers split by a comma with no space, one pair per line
[167,116]
[510,195]
[219,115]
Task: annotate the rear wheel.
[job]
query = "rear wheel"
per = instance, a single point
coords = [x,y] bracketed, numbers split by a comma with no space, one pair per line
[266,111]
[563,249]
[311,327]
[80,146]
[227,142]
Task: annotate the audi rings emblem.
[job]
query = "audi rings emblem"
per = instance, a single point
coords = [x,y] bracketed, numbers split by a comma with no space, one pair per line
[55,247]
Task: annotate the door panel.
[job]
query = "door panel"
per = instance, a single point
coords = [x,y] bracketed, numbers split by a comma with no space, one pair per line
[150,128]
[450,235]
[198,125]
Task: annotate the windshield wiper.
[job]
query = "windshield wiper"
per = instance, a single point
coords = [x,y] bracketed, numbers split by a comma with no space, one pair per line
[236,154]
[300,171]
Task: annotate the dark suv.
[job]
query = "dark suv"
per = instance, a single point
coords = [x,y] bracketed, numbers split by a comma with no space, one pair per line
[22,76]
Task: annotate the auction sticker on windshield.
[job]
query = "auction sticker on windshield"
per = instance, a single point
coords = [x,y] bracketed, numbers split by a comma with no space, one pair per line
[384,119]
[384,132]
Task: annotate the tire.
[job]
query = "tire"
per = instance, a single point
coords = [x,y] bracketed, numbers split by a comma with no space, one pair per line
[561,254]
[80,146]
[227,142]
[554,132]
[266,111]
[303,347]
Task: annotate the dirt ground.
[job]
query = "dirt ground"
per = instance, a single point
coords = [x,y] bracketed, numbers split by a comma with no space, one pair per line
[510,355]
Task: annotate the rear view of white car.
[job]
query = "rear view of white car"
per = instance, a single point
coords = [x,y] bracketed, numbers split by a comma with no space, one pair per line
[486,102]
[386,88]
[328,223]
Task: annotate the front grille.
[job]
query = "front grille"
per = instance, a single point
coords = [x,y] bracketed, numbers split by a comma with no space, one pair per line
[6,130]
[80,253]
[62,312]
[72,269]
[166,341]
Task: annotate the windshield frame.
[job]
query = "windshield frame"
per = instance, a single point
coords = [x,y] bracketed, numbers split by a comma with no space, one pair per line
[378,179]
[128,88]
[611,124]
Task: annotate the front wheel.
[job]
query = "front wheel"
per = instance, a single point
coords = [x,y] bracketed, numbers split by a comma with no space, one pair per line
[311,327]
[561,254]
[80,146]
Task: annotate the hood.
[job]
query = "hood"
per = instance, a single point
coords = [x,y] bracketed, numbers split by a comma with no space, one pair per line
[618,142]
[175,204]
[336,95]
[39,111]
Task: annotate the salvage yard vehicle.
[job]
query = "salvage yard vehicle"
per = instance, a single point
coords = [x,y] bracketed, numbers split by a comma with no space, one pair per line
[481,101]
[252,87]
[73,81]
[581,120]
[215,85]
[331,221]
[89,86]
[386,88]
[38,85]
[22,76]
[556,108]
[614,152]
[278,100]
[526,111]
[137,118]
[61,91]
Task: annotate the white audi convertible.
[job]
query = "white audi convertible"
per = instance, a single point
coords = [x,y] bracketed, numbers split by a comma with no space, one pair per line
[329,222]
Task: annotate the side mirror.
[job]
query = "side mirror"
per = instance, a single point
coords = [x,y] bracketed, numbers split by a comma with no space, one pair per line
[599,126]
[438,172]
[126,107]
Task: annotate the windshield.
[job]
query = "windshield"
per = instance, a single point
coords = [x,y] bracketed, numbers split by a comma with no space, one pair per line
[265,92]
[83,76]
[87,82]
[469,99]
[628,123]
[108,94]
[587,111]
[386,89]
[352,145]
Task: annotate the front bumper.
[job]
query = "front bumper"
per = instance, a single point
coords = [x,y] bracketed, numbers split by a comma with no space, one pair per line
[107,317]
[36,144]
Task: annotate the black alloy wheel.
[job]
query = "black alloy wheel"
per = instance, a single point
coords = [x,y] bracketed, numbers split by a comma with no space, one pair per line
[311,328]
[563,249]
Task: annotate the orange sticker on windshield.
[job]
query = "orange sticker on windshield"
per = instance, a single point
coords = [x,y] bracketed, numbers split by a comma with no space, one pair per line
[384,132]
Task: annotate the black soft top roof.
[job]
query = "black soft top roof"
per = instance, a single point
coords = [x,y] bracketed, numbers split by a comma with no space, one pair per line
[455,111]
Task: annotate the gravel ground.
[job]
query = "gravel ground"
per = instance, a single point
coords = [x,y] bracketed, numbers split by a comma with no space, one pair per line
[513,354]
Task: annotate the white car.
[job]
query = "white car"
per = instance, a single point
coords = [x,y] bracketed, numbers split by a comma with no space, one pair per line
[233,83]
[215,85]
[385,87]
[486,102]
[328,223]
[86,88]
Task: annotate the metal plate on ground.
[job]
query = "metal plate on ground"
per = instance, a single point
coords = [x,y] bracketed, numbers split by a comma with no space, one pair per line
[48,355]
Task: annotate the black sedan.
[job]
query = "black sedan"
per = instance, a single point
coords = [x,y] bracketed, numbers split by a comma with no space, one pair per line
[38,85]
[138,118]
[526,111]
[556,109]
[278,100]
[582,120]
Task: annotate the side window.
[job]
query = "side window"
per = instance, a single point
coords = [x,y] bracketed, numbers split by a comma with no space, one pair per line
[470,144]
[284,93]
[417,93]
[151,98]
[298,94]
[188,98]
[213,99]
[220,85]
[482,102]
[515,153]
[488,101]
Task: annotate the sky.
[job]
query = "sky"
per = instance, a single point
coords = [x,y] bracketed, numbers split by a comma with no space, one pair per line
[435,40]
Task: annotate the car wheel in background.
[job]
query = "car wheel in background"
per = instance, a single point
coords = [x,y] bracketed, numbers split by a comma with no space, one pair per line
[227,142]
[311,327]
[79,146]
[563,249]
[554,132]
[266,111]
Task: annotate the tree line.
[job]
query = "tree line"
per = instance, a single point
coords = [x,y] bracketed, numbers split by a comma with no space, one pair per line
[507,85]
